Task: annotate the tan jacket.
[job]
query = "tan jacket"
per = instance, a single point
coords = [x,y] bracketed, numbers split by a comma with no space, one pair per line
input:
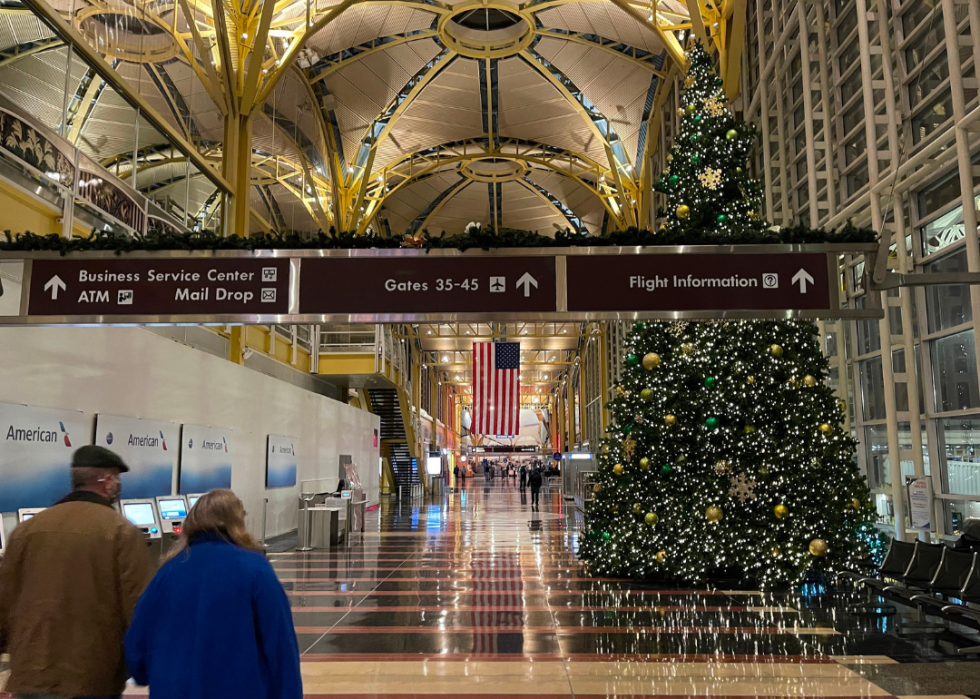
[68,584]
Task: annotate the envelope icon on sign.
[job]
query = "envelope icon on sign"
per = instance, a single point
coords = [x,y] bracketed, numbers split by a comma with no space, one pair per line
[268,295]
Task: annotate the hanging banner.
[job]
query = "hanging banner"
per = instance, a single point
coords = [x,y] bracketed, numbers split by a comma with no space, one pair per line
[206,456]
[280,462]
[149,448]
[919,490]
[35,454]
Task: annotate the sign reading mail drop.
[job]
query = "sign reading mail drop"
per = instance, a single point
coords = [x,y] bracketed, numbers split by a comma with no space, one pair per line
[35,454]
[149,448]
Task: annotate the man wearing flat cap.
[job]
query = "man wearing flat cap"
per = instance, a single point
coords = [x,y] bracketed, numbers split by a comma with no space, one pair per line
[68,585]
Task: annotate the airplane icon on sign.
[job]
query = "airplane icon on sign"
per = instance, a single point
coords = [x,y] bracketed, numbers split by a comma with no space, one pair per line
[498,285]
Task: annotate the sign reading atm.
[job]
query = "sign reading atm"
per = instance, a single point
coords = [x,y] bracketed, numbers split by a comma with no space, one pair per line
[142,286]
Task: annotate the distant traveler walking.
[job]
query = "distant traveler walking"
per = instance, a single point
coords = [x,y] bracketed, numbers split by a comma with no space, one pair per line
[534,480]
[456,475]
[215,622]
[68,584]
[523,483]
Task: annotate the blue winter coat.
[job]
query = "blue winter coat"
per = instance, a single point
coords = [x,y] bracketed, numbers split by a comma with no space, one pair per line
[215,623]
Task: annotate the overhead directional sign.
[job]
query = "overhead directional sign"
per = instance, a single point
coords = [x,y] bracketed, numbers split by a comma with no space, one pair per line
[700,282]
[164,286]
[427,285]
[380,286]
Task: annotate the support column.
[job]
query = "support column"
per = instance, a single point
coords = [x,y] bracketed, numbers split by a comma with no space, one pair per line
[236,345]
[237,169]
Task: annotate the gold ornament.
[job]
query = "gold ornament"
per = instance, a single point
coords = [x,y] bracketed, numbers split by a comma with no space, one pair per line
[637,508]
[661,556]
[713,514]
[714,106]
[597,488]
[620,391]
[645,463]
[842,404]
[776,553]
[750,380]
[651,518]
[683,211]
[680,111]
[413,241]
[663,227]
[780,511]
[670,420]
[688,82]
[618,469]
[710,178]
[629,448]
[722,467]
[826,429]
[819,548]
[855,503]
[748,429]
[809,381]
[651,361]
[670,157]
[614,509]
[688,348]
[776,351]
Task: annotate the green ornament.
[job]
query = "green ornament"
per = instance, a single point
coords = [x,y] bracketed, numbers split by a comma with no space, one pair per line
[689,109]
[673,180]
[722,218]
[731,135]
[667,469]
[711,423]
[697,118]
[639,326]
[628,429]
[695,159]
[719,82]
[695,137]
[660,183]
[710,381]
[632,360]
[646,394]
[645,463]
[651,518]
[605,536]
[593,534]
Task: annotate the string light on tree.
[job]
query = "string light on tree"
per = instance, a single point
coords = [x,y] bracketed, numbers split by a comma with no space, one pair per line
[745,469]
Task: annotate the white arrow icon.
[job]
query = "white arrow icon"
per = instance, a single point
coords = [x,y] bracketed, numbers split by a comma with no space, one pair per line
[55,283]
[802,277]
[527,281]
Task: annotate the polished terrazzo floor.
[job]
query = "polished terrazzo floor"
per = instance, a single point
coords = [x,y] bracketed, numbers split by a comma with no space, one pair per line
[475,593]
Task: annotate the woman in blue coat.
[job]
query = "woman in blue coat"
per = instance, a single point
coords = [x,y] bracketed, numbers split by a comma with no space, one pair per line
[215,621]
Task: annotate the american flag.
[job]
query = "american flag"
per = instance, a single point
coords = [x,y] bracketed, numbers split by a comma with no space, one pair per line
[496,388]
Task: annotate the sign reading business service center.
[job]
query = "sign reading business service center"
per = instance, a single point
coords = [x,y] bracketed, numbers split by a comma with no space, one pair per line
[149,448]
[35,454]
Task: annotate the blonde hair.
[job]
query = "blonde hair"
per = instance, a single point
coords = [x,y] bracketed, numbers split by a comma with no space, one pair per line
[217,512]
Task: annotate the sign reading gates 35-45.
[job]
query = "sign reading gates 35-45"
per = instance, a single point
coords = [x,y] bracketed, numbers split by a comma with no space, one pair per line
[149,448]
[36,445]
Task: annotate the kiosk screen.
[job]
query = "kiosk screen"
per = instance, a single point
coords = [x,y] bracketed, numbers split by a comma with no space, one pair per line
[172,509]
[140,513]
[192,499]
[26,516]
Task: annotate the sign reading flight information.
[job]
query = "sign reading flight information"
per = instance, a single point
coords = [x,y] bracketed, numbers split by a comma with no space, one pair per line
[423,284]
[699,282]
[162,286]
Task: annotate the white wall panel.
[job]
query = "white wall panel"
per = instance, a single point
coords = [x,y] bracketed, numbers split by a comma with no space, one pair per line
[130,371]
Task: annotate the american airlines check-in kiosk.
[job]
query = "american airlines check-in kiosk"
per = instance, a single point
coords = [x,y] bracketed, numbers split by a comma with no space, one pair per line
[192,500]
[143,513]
[25,513]
[3,538]
[173,511]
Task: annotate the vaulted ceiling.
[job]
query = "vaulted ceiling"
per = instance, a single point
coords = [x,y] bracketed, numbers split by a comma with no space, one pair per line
[391,115]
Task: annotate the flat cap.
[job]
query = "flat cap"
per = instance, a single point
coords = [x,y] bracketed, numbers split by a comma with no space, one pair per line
[97,457]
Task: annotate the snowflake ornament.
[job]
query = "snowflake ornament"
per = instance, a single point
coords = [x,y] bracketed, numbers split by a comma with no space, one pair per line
[710,178]
[678,328]
[638,419]
[714,106]
[629,448]
[743,487]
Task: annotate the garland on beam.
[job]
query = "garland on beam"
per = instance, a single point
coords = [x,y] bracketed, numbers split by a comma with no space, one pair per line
[474,237]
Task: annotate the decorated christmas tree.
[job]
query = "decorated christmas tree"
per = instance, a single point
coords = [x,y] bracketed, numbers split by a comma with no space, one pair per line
[726,459]
[706,183]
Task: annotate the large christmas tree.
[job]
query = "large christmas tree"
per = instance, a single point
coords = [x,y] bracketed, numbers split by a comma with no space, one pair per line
[727,458]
